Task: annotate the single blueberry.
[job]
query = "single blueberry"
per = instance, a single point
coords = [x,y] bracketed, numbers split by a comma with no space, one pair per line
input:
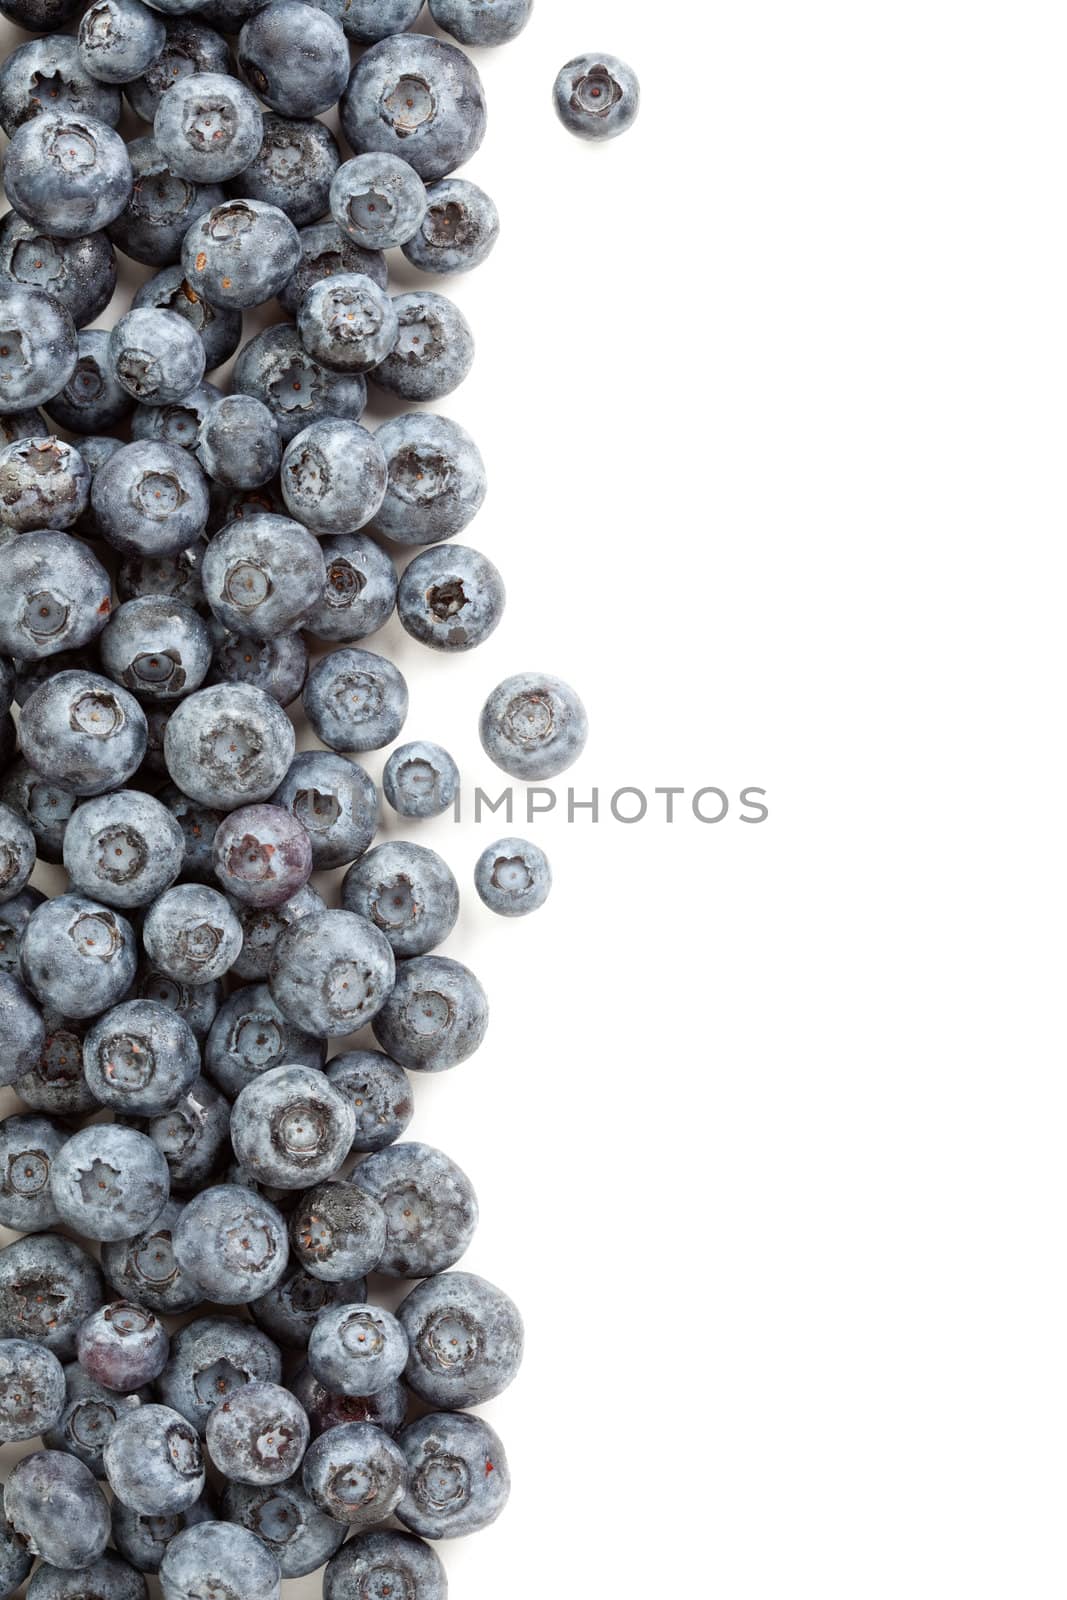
[191,934]
[28,1146]
[295,57]
[109,1182]
[335,801]
[233,1242]
[108,1578]
[275,368]
[378,199]
[417,98]
[436,479]
[465,1337]
[513,877]
[240,254]
[57,1508]
[291,1128]
[294,1530]
[355,700]
[140,1058]
[92,398]
[68,175]
[190,48]
[293,169]
[482,22]
[208,127]
[331,973]
[193,1136]
[80,273]
[238,444]
[229,745]
[264,575]
[77,956]
[357,1349]
[458,1475]
[150,498]
[386,1409]
[430,1207]
[436,1016]
[355,1474]
[123,848]
[18,853]
[54,596]
[337,1233]
[250,1036]
[420,780]
[434,349]
[405,890]
[533,726]
[157,647]
[333,478]
[122,1346]
[596,97]
[32,1390]
[348,323]
[154,1462]
[38,346]
[393,1563]
[156,356]
[118,39]
[144,1269]
[380,1093]
[219,1559]
[262,855]
[278,666]
[258,1435]
[46,75]
[143,1540]
[459,229]
[48,1286]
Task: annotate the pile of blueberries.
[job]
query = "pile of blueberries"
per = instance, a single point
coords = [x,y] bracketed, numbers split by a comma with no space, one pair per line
[190,980]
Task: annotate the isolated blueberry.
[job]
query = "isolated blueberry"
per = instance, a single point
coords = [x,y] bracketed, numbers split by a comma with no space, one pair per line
[458,1475]
[89,1413]
[143,1540]
[434,349]
[261,930]
[294,1530]
[157,647]
[150,498]
[68,175]
[229,745]
[533,726]
[57,1509]
[28,1146]
[233,1242]
[289,1311]
[357,1349]
[435,1017]
[122,1346]
[295,57]
[219,1559]
[218,327]
[240,254]
[262,855]
[451,597]
[109,1182]
[360,591]
[327,252]
[208,127]
[238,444]
[48,1286]
[416,98]
[355,700]
[420,780]
[378,199]
[32,1389]
[55,1083]
[336,803]
[257,1435]
[465,1337]
[263,575]
[391,1563]
[118,39]
[348,323]
[430,1207]
[109,1578]
[54,596]
[291,1128]
[275,368]
[337,1233]
[293,169]
[331,973]
[38,347]
[459,229]
[190,48]
[482,22]
[18,853]
[278,666]
[77,956]
[154,1462]
[140,1058]
[597,97]
[123,848]
[80,273]
[513,877]
[92,397]
[380,1094]
[436,479]
[46,75]
[250,1036]
[405,890]
[144,1269]
[193,1135]
[156,356]
[83,730]
[213,1356]
[355,1474]
[191,934]
[386,1409]
[333,477]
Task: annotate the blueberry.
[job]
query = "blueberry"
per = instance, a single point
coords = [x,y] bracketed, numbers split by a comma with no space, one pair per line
[348,323]
[240,254]
[156,356]
[451,598]
[291,1309]
[196,1003]
[333,477]
[38,16]
[258,1435]
[420,780]
[386,1409]
[143,1540]
[337,1233]
[190,48]
[367,21]
[596,96]
[144,1269]
[459,229]
[360,591]
[162,205]
[336,803]
[295,57]
[193,1135]
[229,745]
[482,22]
[208,127]
[355,1474]
[275,368]
[54,595]
[28,1146]
[46,76]
[238,444]
[38,346]
[434,350]
[250,1036]
[357,1349]
[57,1509]
[154,1462]
[141,1058]
[435,1017]
[177,421]
[385,1563]
[107,1579]
[436,479]
[88,1415]
[379,200]
[261,930]
[43,484]
[513,877]
[458,1475]
[172,577]
[263,575]
[21,1026]
[380,1094]
[109,1182]
[355,700]
[293,169]
[56,1083]
[218,1558]
[430,1208]
[219,328]
[326,252]
[416,98]
[408,892]
[191,934]
[68,175]
[118,39]
[262,855]
[533,726]
[233,1242]
[32,1389]
[20,424]
[465,1338]
[331,973]
[92,397]
[122,1346]
[18,853]
[77,956]
[80,273]
[157,647]
[213,1356]
[278,666]
[82,729]
[294,1530]
[291,1128]
[150,498]
[48,1286]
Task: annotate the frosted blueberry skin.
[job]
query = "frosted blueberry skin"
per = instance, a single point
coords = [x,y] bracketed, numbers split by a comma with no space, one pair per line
[144,1268]
[337,1233]
[251,1036]
[197,823]
[289,1311]
[238,444]
[44,483]
[258,1435]
[299,1536]
[355,1474]
[380,1093]
[193,1135]
[513,877]
[21,1024]
[109,1182]
[459,229]
[436,479]
[293,169]
[54,596]
[290,1127]
[52,65]
[159,649]
[143,1540]
[348,323]
[32,1389]
[28,1146]
[177,422]
[278,666]
[88,1415]
[91,398]
[416,98]
[18,853]
[596,97]
[451,598]
[229,745]
[465,1337]
[481,23]
[57,1508]
[190,48]
[434,349]
[208,127]
[154,1462]
[67,175]
[327,252]
[420,779]
[233,1242]
[21,424]
[80,273]
[368,21]
[275,368]
[108,1579]
[213,1356]
[295,58]
[218,1558]
[141,1058]
[173,577]
[77,956]
[436,1016]
[335,801]
[401,1563]
[378,200]
[430,1207]
[357,1349]
[261,929]
[240,254]
[55,1084]
[331,973]
[38,16]
[219,329]
[191,934]
[458,1475]
[38,347]
[405,890]
[262,855]
[122,1346]
[360,591]
[155,356]
[162,205]
[48,1286]
[196,1004]
[386,1409]
[533,726]
[83,730]
[333,478]
[14,915]
[150,498]
[356,700]
[263,575]
[118,39]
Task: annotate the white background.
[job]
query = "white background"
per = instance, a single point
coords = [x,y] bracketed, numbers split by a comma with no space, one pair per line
[768,1128]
